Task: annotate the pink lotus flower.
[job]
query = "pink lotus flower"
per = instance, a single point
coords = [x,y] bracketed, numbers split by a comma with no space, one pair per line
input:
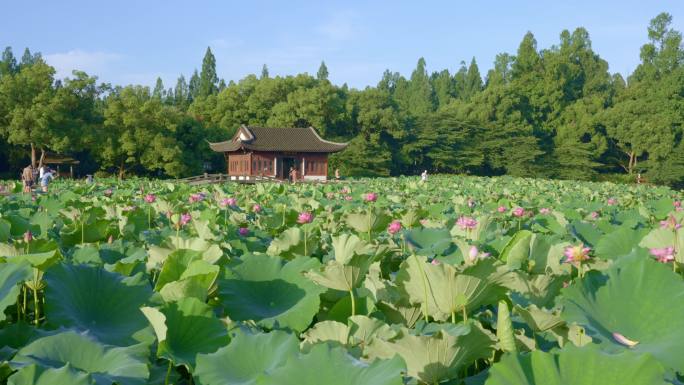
[110,240]
[228,202]
[345,190]
[394,227]
[256,208]
[466,223]
[677,204]
[150,198]
[28,236]
[594,215]
[576,254]
[194,198]
[474,254]
[185,219]
[435,262]
[518,212]
[670,223]
[664,254]
[471,203]
[348,197]
[243,231]
[566,284]
[330,195]
[501,209]
[108,192]
[128,208]
[370,197]
[544,211]
[612,201]
[305,217]
[622,340]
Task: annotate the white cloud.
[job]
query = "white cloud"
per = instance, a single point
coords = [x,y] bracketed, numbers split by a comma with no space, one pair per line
[94,63]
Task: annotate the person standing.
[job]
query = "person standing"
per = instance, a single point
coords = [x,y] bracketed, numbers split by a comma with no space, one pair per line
[28,178]
[45,179]
[424,176]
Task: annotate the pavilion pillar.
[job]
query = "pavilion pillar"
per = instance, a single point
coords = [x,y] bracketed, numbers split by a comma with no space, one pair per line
[71,171]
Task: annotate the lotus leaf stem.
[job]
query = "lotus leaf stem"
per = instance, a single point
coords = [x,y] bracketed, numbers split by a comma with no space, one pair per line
[353,302]
[168,373]
[425,291]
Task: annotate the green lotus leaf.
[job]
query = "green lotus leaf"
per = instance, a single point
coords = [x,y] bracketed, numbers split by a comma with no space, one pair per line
[352,259]
[439,356]
[20,225]
[75,234]
[663,237]
[186,274]
[41,260]
[4,230]
[580,366]
[94,300]
[184,329]
[636,298]
[37,375]
[618,243]
[334,367]
[446,290]
[517,250]
[246,359]
[504,329]
[291,243]
[587,233]
[11,275]
[430,242]
[327,331]
[275,294]
[105,364]
[363,222]
[539,320]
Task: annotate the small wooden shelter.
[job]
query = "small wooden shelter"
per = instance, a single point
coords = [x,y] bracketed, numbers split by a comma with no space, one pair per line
[63,161]
[272,152]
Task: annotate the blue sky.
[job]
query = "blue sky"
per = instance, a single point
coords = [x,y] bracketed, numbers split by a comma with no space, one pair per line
[126,41]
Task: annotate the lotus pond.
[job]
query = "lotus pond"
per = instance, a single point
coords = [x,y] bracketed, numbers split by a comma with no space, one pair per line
[372,282]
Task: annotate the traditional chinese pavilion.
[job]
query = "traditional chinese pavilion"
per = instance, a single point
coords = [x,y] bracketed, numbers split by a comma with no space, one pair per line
[271,152]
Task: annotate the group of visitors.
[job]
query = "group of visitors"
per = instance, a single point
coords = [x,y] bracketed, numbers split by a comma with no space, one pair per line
[44,175]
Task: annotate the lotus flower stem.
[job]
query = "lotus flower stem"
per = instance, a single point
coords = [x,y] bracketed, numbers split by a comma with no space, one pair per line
[353,302]
[36,282]
[369,225]
[425,291]
[306,250]
[453,317]
[23,308]
[465,314]
[149,217]
[168,373]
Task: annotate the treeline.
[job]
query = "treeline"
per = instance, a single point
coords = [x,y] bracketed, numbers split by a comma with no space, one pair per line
[556,112]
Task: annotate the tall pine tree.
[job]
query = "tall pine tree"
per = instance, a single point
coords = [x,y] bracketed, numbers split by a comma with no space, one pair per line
[208,83]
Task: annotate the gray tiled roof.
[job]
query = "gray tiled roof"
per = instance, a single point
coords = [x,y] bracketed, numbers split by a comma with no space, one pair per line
[278,139]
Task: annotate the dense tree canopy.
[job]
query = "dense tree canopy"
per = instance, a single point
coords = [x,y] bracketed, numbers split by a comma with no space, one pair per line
[554,112]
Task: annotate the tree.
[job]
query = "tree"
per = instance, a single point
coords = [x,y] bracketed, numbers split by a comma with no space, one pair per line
[158,91]
[264,72]
[208,83]
[139,134]
[8,64]
[25,107]
[194,86]
[322,73]
[181,93]
[473,80]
